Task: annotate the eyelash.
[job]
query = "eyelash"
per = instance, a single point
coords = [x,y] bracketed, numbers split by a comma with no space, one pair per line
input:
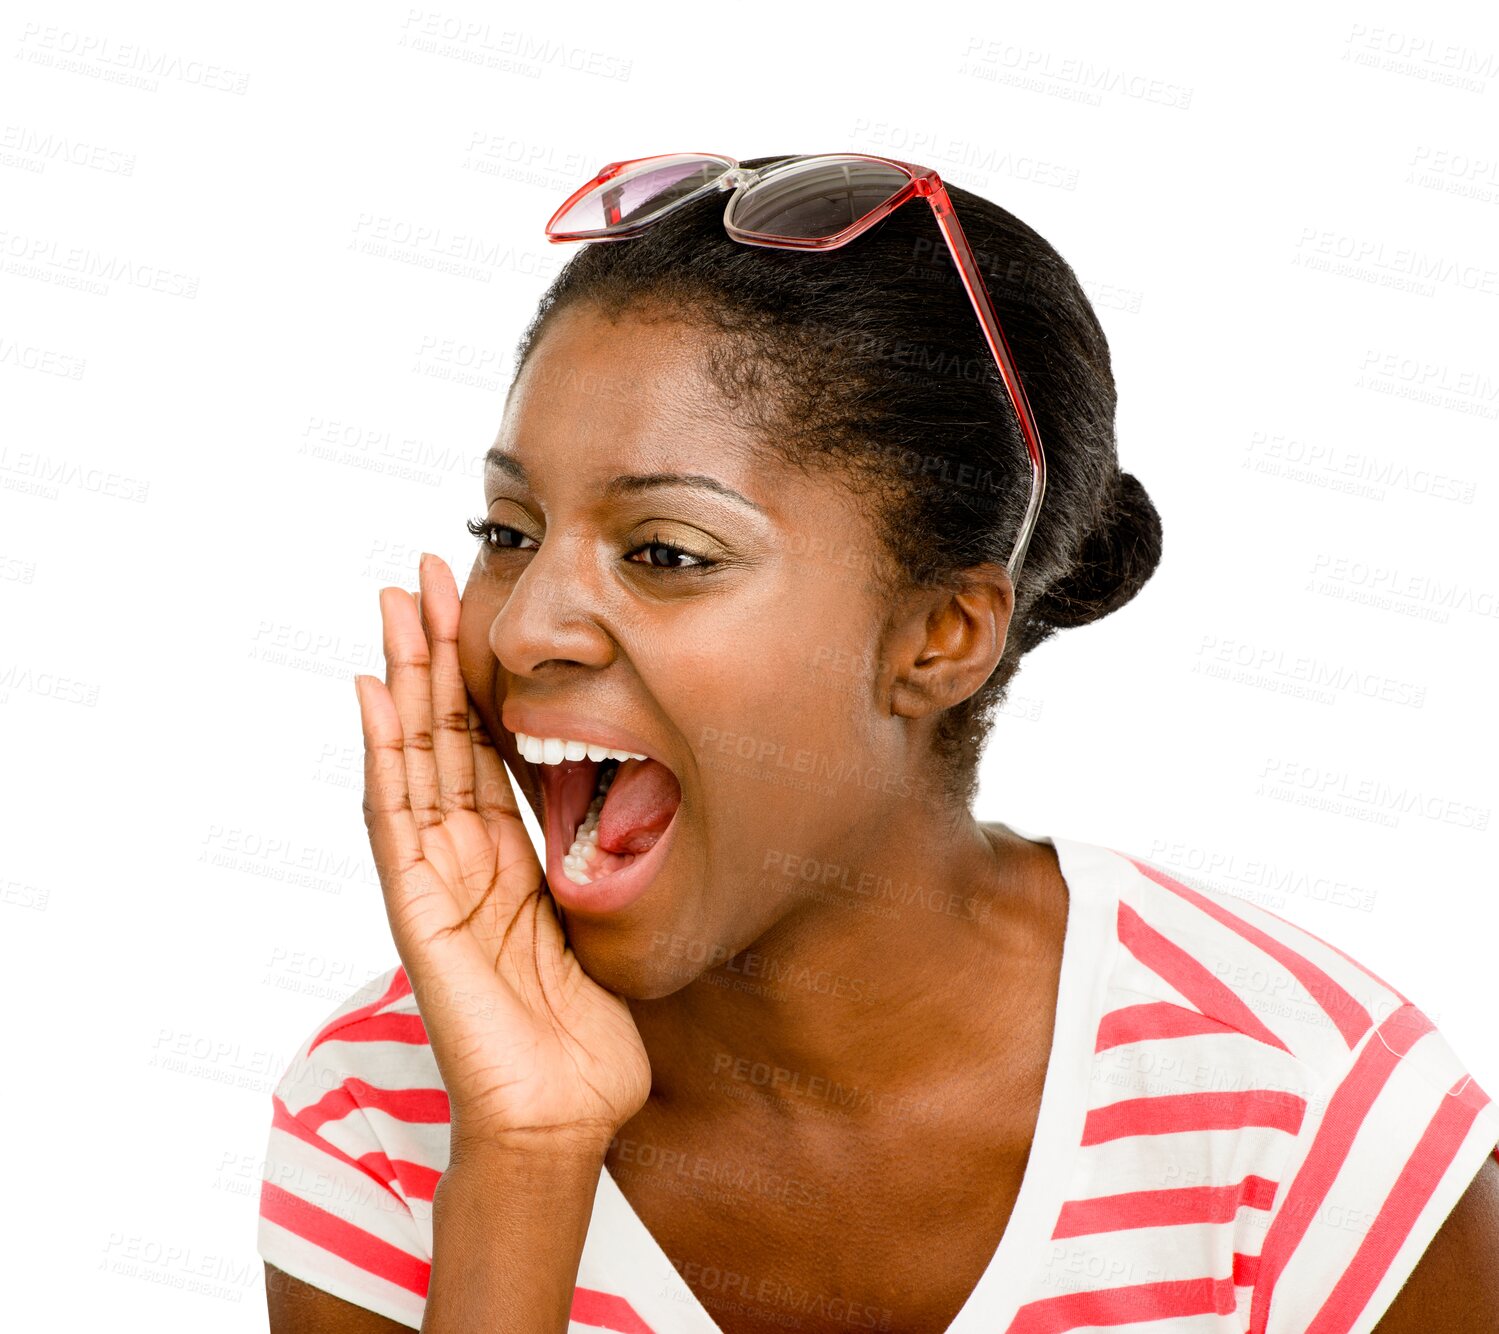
[484,530]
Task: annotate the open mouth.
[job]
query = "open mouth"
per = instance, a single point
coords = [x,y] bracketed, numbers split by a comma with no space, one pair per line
[608,827]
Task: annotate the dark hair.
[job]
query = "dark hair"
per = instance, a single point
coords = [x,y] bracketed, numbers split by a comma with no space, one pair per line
[869,359]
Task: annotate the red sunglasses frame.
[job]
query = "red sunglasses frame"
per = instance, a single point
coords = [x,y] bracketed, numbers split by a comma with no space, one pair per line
[921,183]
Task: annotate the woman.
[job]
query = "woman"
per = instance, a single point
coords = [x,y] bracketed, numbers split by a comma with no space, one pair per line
[779,1034]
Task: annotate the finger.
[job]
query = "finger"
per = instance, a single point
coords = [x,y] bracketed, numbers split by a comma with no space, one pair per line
[452,747]
[494,797]
[517,865]
[408,675]
[394,837]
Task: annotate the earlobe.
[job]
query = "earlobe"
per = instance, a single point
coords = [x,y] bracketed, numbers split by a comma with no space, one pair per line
[940,685]
[908,701]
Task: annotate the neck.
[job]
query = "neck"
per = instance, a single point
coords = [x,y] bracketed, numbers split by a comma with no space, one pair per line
[874,993]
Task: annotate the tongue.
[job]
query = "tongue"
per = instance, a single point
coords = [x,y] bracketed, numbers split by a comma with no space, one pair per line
[638,806]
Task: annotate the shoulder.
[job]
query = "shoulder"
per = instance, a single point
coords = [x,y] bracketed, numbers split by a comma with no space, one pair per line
[358,1139]
[1320,1101]
[1249,969]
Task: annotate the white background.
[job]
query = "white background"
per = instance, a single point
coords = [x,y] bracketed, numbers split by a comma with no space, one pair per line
[241,394]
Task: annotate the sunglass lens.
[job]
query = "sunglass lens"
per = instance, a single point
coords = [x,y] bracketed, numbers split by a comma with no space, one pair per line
[637,195]
[815,200]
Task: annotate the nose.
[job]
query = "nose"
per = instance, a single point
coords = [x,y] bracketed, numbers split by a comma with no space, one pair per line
[551,617]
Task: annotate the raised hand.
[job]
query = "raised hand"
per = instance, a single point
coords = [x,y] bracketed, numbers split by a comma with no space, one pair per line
[530,1048]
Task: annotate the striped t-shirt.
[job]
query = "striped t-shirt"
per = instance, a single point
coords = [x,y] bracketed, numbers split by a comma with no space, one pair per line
[1241,1129]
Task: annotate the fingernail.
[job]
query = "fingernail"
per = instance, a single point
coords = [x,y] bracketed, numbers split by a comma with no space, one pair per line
[357,694]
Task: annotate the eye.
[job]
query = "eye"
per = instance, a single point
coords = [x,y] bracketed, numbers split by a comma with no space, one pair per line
[660,556]
[670,555]
[498,536]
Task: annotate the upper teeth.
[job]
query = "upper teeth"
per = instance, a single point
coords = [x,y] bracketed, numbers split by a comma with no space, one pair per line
[556,749]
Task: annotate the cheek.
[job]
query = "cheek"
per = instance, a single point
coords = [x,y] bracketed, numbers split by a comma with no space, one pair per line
[762,716]
[475,660]
[798,663]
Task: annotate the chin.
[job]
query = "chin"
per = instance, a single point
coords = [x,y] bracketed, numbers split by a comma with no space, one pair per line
[634,964]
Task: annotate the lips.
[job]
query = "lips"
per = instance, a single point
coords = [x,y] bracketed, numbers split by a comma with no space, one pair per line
[544,722]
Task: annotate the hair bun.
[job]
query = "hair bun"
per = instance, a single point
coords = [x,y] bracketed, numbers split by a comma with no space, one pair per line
[1113,564]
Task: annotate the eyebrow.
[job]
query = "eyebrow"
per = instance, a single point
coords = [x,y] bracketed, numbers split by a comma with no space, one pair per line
[629,483]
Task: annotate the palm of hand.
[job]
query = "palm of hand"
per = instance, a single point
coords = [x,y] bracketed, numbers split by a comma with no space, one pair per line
[526,1042]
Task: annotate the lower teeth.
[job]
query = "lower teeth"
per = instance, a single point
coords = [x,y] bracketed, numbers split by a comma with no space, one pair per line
[585,842]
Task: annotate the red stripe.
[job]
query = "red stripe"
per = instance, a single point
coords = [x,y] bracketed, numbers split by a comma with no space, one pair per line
[361,1249]
[606,1311]
[1246,1270]
[1123,1306]
[400,985]
[1346,1110]
[1151,1020]
[1171,1113]
[1209,994]
[1418,1179]
[418,1106]
[1163,1208]
[398,1027]
[283,1120]
[418,1181]
[1351,1018]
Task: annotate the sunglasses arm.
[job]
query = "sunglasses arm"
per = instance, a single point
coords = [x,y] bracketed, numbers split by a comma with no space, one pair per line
[978,293]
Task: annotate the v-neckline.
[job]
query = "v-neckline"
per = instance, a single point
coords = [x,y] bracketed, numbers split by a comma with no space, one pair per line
[992,1303]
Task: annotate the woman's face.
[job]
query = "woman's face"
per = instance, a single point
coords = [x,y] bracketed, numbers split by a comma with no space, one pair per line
[735,641]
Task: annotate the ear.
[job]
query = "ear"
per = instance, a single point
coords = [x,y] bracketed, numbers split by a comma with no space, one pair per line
[945,643]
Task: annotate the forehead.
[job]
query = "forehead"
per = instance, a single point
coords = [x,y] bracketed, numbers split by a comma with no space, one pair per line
[635,383]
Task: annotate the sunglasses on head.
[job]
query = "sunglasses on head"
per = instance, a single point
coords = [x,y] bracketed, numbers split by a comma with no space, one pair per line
[809,202]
